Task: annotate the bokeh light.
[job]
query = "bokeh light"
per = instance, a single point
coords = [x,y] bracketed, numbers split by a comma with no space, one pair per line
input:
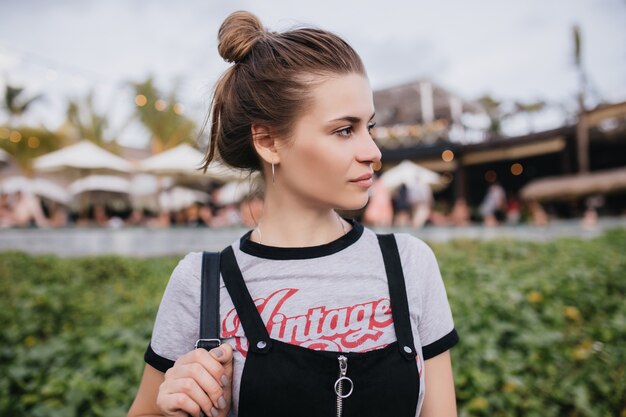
[33,142]
[491,176]
[140,100]
[15,136]
[160,105]
[447,155]
[179,108]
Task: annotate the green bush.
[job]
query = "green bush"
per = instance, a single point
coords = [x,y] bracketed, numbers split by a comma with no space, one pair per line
[543,328]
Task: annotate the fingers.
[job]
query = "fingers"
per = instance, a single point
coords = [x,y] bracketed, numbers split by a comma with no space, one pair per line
[224,354]
[199,380]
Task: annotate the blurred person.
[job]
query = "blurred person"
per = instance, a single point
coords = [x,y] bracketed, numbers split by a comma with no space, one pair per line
[137,218]
[590,216]
[494,201]
[59,215]
[227,216]
[206,215]
[460,215]
[420,197]
[6,214]
[379,209]
[180,217]
[401,207]
[513,213]
[192,215]
[27,211]
[297,107]
[538,215]
[439,214]
[100,215]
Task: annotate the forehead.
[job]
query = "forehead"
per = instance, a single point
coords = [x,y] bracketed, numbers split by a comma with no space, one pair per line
[340,96]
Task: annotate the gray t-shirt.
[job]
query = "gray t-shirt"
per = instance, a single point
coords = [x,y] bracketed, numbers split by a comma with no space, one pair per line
[328,297]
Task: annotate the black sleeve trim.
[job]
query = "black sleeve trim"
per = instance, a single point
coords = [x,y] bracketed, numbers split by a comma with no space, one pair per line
[158,362]
[433,349]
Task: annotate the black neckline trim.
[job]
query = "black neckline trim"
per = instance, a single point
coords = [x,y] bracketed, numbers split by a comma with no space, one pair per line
[308,252]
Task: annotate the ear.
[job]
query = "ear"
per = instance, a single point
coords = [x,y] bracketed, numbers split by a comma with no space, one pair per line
[265,142]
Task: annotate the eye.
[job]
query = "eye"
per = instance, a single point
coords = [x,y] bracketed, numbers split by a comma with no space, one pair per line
[345,132]
[371,126]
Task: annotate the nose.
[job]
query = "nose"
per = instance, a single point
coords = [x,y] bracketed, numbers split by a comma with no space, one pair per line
[368,151]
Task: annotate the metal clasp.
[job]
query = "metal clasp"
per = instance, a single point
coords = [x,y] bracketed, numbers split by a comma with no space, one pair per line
[216,342]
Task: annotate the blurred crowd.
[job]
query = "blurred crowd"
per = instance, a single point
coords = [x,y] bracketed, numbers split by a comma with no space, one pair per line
[407,206]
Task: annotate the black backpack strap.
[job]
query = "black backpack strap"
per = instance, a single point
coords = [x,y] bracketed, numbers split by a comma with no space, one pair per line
[397,293]
[209,337]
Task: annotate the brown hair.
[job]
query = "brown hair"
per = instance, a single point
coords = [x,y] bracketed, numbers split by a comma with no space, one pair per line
[268,82]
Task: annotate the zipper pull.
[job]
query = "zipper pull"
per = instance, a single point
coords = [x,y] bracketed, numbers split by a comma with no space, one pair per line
[339,383]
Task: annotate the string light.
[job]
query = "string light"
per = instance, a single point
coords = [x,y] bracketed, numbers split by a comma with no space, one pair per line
[15,136]
[447,155]
[178,108]
[33,142]
[517,169]
[160,105]
[140,100]
[4,133]
[491,176]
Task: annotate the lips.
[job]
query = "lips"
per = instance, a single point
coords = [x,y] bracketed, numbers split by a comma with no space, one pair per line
[362,178]
[365,181]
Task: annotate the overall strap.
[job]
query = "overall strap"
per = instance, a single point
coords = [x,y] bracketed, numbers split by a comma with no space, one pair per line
[253,326]
[209,336]
[397,292]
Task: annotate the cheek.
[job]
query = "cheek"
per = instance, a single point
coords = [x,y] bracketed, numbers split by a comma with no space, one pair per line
[319,164]
[317,172]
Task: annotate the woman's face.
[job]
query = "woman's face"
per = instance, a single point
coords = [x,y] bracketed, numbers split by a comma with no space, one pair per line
[327,162]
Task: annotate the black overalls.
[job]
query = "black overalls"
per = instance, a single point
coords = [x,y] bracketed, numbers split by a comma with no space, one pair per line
[282,379]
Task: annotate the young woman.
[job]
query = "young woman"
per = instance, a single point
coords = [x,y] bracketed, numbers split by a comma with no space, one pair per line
[319,316]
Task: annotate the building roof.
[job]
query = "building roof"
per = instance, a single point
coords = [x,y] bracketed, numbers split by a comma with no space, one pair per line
[402,104]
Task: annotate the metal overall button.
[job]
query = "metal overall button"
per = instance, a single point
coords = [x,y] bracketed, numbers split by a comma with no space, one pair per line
[261,344]
[407,349]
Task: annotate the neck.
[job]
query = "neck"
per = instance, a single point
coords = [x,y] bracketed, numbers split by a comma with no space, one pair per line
[286,223]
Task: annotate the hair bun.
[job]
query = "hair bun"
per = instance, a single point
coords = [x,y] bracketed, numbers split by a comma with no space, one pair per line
[238,33]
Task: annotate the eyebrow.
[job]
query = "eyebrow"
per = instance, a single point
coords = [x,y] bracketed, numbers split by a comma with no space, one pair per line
[352,119]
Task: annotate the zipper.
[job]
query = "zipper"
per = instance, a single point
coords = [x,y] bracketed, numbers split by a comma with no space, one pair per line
[339,383]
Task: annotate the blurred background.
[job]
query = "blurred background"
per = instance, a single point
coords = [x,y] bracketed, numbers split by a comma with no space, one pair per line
[502,120]
[488,114]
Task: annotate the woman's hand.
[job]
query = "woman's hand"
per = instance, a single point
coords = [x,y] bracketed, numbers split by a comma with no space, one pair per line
[199,381]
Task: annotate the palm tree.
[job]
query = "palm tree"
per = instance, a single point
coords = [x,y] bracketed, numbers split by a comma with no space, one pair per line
[26,143]
[15,104]
[83,121]
[530,109]
[496,115]
[162,117]
[582,130]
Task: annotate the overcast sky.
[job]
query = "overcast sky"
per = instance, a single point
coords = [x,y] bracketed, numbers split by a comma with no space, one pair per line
[510,49]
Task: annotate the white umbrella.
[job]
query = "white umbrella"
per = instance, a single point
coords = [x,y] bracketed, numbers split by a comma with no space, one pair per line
[37,186]
[233,192]
[108,183]
[83,155]
[408,173]
[180,197]
[184,160]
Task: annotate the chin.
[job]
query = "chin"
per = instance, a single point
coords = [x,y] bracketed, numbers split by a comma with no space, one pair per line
[354,204]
